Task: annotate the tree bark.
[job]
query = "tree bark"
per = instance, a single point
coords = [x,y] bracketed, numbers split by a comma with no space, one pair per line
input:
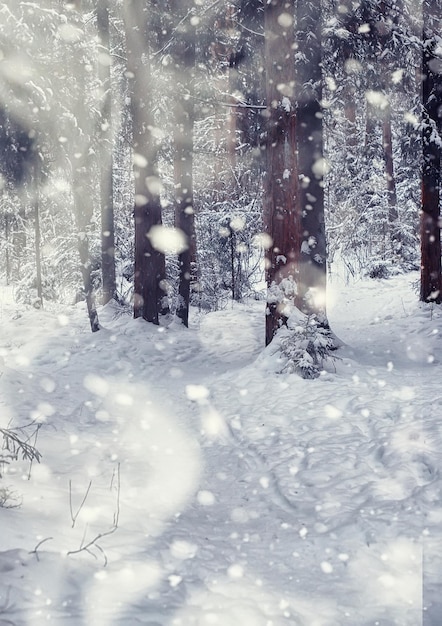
[106,157]
[81,166]
[150,265]
[312,167]
[281,219]
[184,67]
[431,282]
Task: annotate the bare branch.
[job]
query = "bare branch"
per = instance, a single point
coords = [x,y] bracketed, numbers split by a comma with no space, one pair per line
[35,550]
[93,543]
[243,105]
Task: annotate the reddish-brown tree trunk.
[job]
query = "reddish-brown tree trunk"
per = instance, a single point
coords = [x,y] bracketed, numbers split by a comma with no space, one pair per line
[281,219]
[311,163]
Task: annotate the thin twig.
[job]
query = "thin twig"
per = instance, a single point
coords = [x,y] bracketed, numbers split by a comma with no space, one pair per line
[103,553]
[35,550]
[168,43]
[35,447]
[243,105]
[86,547]
[74,517]
[117,512]
[249,30]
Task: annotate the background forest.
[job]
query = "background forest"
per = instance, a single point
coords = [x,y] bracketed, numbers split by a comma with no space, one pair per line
[162,106]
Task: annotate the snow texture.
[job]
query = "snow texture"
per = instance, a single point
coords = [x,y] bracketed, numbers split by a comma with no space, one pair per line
[236,496]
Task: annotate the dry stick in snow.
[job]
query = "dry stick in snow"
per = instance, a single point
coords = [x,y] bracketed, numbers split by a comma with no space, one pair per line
[35,456]
[74,517]
[86,547]
[35,550]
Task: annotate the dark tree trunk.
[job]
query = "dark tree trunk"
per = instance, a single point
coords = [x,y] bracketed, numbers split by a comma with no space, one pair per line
[150,270]
[106,158]
[184,67]
[281,220]
[184,217]
[311,164]
[431,283]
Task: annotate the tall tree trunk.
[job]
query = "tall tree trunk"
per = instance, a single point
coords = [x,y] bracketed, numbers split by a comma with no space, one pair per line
[184,212]
[312,167]
[150,264]
[281,220]
[81,167]
[106,157]
[431,282]
[183,48]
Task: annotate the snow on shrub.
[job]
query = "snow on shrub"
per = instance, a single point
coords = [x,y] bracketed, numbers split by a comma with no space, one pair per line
[15,445]
[301,346]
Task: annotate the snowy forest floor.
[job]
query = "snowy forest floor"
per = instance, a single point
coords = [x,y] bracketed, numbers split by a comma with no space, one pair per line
[232,495]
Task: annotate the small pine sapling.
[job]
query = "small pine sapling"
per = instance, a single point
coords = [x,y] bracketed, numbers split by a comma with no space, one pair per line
[305,344]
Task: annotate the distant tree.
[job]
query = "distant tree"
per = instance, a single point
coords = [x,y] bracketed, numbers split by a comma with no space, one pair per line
[368,94]
[106,155]
[16,166]
[431,281]
[36,182]
[15,147]
[80,159]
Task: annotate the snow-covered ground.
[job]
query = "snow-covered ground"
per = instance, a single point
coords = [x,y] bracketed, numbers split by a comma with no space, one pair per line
[184,483]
